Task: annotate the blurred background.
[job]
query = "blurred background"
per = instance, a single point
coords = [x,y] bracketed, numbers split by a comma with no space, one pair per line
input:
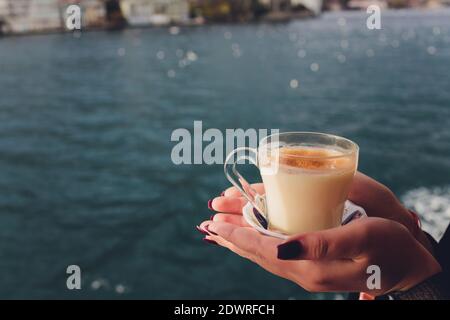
[86,118]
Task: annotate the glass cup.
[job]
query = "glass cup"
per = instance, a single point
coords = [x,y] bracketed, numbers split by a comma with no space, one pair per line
[306,175]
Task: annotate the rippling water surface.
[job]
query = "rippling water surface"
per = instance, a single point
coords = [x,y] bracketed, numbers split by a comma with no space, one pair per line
[85,123]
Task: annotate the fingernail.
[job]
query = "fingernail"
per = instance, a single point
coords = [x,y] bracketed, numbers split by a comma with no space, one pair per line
[201,230]
[262,221]
[209,241]
[210,204]
[289,250]
[365,296]
[222,194]
[212,217]
[212,232]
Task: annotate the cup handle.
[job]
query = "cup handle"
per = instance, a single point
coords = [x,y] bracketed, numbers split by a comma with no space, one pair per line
[239,181]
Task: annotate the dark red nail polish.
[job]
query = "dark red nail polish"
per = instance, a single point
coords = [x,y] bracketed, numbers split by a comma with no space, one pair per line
[212,217]
[209,241]
[212,232]
[201,230]
[210,205]
[260,218]
[289,250]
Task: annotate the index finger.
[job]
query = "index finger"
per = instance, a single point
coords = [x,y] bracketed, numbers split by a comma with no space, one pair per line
[234,192]
[245,238]
[229,204]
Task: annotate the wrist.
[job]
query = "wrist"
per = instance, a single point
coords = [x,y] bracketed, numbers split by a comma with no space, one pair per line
[421,271]
[430,289]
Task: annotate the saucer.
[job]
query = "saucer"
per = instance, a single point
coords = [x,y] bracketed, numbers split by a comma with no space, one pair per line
[259,221]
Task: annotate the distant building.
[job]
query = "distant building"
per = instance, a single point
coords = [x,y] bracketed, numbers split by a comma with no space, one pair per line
[277,4]
[435,4]
[315,6]
[213,10]
[93,12]
[155,12]
[22,16]
[25,16]
[364,4]
[248,10]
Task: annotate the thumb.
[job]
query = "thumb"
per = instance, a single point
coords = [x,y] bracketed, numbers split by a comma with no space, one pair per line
[347,241]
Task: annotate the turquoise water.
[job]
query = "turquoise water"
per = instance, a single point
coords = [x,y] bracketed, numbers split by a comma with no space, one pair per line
[85,123]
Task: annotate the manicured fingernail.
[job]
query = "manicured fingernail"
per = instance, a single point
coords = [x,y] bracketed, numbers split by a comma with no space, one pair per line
[212,232]
[209,241]
[201,230]
[210,205]
[212,217]
[222,194]
[262,221]
[365,296]
[289,250]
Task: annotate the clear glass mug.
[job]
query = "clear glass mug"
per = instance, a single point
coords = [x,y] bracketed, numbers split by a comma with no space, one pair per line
[306,175]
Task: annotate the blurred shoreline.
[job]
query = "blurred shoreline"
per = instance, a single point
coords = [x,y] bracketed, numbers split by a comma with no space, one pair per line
[28,17]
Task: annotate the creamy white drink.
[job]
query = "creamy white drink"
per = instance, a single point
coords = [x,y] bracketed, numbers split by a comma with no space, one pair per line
[309,189]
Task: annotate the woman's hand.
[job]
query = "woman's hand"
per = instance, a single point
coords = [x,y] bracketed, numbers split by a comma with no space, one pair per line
[331,260]
[377,199]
